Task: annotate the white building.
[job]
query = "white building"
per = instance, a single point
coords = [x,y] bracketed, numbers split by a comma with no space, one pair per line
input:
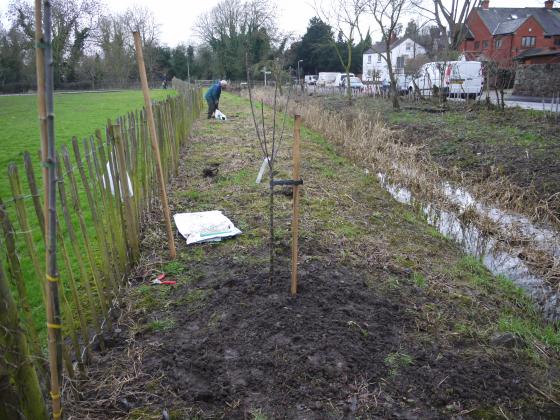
[375,66]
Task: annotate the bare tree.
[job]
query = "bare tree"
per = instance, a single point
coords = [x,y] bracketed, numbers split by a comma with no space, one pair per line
[234,27]
[117,56]
[387,14]
[449,17]
[141,19]
[343,16]
[412,69]
[73,23]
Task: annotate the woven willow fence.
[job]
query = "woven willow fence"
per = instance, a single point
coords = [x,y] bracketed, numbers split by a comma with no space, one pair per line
[107,186]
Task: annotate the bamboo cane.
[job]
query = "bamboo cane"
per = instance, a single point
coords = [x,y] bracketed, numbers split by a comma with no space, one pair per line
[41,104]
[54,325]
[155,145]
[295,215]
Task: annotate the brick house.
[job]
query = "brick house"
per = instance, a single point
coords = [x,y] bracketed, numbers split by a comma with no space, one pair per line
[500,34]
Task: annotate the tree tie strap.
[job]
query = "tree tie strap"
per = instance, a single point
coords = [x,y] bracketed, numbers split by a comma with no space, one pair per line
[52,279]
[56,396]
[54,326]
[41,44]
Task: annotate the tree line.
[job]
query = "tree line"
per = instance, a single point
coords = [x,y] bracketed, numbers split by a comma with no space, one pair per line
[91,48]
[94,48]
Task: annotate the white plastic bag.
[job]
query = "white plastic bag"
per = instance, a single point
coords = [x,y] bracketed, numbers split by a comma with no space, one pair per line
[219,115]
[205,226]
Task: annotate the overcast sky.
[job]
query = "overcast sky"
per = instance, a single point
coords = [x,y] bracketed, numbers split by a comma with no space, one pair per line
[177,17]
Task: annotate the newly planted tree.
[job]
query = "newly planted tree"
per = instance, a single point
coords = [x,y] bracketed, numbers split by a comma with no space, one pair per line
[270,140]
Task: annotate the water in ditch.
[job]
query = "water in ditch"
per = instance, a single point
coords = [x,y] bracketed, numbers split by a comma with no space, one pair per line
[498,260]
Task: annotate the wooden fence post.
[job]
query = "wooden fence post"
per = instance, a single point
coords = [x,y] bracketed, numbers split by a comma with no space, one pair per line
[78,255]
[13,339]
[126,194]
[26,230]
[100,283]
[15,270]
[101,239]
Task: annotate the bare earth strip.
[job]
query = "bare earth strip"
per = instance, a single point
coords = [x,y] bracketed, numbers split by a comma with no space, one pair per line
[391,319]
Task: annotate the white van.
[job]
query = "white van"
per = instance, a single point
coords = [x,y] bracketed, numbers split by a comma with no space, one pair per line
[326,78]
[310,79]
[457,78]
[340,78]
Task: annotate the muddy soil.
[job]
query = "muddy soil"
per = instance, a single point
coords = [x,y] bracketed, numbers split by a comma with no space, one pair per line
[391,320]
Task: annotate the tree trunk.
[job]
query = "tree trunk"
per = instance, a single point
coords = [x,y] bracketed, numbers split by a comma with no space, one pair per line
[348,65]
[348,87]
[394,93]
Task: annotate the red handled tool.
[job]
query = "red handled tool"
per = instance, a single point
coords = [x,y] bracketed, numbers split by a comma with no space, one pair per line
[160,280]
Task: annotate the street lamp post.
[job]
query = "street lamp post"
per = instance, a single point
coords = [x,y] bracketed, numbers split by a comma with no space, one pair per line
[300,82]
[298,73]
[188,70]
[265,73]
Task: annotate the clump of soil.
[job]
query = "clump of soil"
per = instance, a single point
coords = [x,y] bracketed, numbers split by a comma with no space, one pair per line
[211,171]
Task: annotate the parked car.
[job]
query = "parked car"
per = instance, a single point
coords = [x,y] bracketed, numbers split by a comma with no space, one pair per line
[340,78]
[403,82]
[356,83]
[326,78]
[310,79]
[457,78]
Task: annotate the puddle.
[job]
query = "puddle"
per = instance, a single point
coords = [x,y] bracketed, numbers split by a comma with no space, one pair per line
[485,247]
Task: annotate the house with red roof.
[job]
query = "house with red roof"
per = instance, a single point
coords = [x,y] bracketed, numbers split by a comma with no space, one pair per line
[502,34]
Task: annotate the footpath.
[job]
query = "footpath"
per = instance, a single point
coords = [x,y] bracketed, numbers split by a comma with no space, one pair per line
[391,319]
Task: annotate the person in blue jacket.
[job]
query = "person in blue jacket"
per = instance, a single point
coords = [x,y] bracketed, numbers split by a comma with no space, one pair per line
[212,96]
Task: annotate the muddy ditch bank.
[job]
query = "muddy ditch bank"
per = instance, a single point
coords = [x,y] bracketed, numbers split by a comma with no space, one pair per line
[392,320]
[469,140]
[512,239]
[501,259]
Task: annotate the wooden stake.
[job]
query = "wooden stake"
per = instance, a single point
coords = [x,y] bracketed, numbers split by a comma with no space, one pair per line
[295,215]
[155,144]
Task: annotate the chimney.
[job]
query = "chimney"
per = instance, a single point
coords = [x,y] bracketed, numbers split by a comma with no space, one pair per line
[548,4]
[485,4]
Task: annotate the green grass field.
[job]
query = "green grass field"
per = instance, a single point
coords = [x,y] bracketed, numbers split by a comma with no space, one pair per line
[75,115]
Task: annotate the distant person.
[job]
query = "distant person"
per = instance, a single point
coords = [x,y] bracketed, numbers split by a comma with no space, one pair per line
[385,86]
[212,96]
